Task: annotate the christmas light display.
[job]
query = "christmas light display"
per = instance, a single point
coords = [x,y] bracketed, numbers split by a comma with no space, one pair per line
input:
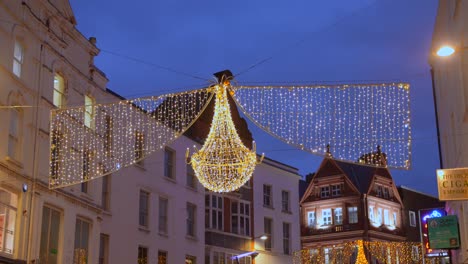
[95,140]
[223,164]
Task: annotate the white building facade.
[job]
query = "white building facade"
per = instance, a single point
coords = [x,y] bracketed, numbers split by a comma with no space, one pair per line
[450,76]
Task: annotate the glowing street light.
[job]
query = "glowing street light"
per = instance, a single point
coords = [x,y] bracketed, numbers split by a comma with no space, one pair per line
[445,51]
[264,237]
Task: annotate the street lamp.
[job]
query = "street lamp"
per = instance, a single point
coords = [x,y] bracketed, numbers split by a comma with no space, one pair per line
[445,51]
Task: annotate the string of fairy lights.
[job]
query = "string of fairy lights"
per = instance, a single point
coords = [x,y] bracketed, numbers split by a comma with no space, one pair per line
[352,118]
[94,140]
[363,251]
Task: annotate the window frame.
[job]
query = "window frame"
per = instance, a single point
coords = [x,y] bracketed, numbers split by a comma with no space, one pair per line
[90,112]
[309,213]
[215,211]
[353,211]
[242,217]
[191,219]
[338,216]
[412,219]
[267,196]
[89,223]
[49,232]
[336,190]
[139,139]
[285,203]
[18,58]
[15,130]
[286,238]
[103,248]
[268,231]
[142,255]
[328,215]
[59,90]
[169,163]
[191,178]
[163,215]
[325,191]
[162,254]
[143,209]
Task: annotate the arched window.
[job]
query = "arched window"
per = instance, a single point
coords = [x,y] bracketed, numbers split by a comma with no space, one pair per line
[18,56]
[59,90]
[8,205]
[14,134]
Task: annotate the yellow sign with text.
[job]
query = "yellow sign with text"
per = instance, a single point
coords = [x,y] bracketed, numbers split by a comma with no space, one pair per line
[453,184]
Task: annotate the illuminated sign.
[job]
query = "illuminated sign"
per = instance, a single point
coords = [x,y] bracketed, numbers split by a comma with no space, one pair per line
[443,232]
[452,184]
[424,216]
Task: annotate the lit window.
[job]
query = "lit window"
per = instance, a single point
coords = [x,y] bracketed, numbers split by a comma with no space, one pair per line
[162,257]
[191,211]
[386,193]
[394,219]
[82,231]
[56,141]
[379,191]
[163,207]
[267,199]
[326,216]
[336,190]
[144,206]
[8,205]
[169,163]
[14,134]
[386,217]
[59,90]
[104,249]
[18,59]
[286,238]
[352,215]
[50,231]
[89,116]
[371,214]
[412,218]
[415,253]
[311,219]
[379,216]
[216,210]
[268,231]
[325,191]
[240,218]
[338,216]
[142,255]
[285,201]
[190,259]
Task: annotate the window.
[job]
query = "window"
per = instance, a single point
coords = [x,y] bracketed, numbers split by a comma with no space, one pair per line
[240,218]
[232,259]
[285,201]
[82,229]
[103,249]
[14,133]
[311,219]
[50,230]
[169,163]
[336,190]
[18,57]
[8,205]
[86,169]
[338,220]
[191,212]
[163,206]
[144,206]
[56,141]
[379,190]
[325,191]
[379,216]
[89,114]
[139,147]
[190,259]
[191,178]
[286,238]
[394,219]
[415,253]
[219,258]
[352,215]
[214,207]
[326,217]
[142,255]
[412,218]
[267,199]
[268,230]
[386,217]
[371,214]
[105,198]
[386,193]
[162,257]
[59,90]
[327,255]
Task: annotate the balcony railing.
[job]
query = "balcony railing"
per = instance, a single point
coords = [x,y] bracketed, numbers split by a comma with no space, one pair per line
[310,231]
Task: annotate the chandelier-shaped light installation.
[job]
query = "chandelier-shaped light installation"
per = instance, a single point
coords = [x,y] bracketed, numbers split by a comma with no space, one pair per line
[223,164]
[95,140]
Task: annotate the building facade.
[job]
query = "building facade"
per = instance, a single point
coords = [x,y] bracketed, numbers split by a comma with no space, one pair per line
[450,84]
[347,202]
[45,63]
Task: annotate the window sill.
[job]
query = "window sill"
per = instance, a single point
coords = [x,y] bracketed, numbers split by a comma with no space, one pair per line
[143,229]
[163,234]
[193,189]
[189,237]
[170,179]
[269,207]
[140,165]
[14,162]
[286,212]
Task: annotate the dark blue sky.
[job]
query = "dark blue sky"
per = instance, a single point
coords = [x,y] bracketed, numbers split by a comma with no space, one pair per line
[306,41]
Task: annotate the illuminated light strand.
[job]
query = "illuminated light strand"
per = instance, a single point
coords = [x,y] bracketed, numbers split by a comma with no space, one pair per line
[353,118]
[383,251]
[121,134]
[223,164]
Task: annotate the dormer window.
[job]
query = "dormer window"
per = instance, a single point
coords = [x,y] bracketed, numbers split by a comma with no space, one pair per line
[379,191]
[336,190]
[325,192]
[386,193]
